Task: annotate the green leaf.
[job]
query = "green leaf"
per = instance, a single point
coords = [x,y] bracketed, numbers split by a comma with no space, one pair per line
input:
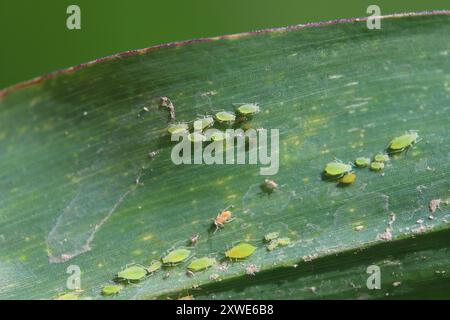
[87,178]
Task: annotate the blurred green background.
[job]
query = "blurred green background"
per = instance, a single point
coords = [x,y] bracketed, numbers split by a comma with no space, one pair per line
[35,39]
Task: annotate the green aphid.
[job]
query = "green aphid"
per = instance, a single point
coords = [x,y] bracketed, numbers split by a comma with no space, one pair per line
[196,137]
[347,178]
[381,157]
[284,242]
[68,296]
[176,256]
[225,117]
[403,142]
[271,236]
[272,245]
[203,123]
[112,289]
[337,169]
[178,128]
[362,162]
[240,251]
[154,266]
[376,166]
[201,264]
[248,109]
[132,273]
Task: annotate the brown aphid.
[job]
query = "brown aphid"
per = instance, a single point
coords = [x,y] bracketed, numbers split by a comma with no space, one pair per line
[165,102]
[223,217]
[269,186]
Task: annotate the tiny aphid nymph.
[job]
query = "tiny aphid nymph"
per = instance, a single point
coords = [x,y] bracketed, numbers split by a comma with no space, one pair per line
[203,123]
[337,169]
[347,178]
[154,266]
[248,109]
[178,128]
[225,117]
[381,157]
[271,236]
[176,256]
[376,166]
[201,264]
[272,245]
[223,217]
[398,144]
[132,273]
[241,251]
[362,162]
[112,289]
[284,242]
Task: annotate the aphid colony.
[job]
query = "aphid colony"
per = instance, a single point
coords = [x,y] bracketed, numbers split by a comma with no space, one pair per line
[337,170]
[135,272]
[243,250]
[343,172]
[243,112]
